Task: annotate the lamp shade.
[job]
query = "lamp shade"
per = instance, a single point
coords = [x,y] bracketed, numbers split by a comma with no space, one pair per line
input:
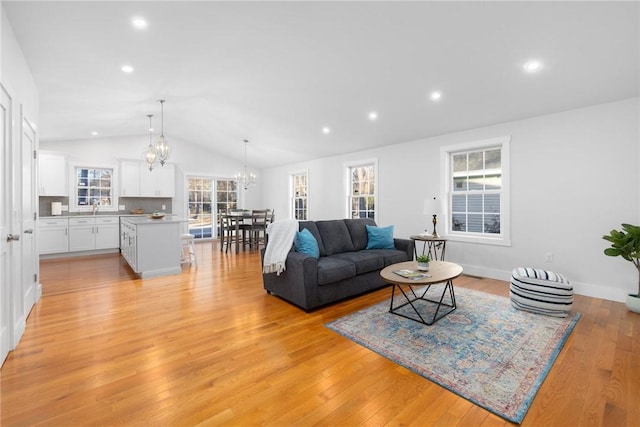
[431,206]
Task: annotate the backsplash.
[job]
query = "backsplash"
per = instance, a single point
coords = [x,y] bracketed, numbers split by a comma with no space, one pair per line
[148,204]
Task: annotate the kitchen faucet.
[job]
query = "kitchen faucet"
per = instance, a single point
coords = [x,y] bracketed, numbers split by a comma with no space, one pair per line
[95,207]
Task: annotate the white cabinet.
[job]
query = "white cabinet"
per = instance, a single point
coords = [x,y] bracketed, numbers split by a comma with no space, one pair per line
[52,173]
[159,182]
[89,233]
[107,232]
[152,247]
[130,178]
[53,235]
[81,234]
[136,180]
[128,243]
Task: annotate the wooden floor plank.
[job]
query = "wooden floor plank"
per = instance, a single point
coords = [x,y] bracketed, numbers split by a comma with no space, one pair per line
[211,347]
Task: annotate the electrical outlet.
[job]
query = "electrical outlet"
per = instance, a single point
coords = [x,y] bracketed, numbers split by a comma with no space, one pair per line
[164,207]
[64,208]
[548,257]
[121,207]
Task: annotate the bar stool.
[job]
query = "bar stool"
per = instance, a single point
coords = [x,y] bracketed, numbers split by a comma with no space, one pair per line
[188,249]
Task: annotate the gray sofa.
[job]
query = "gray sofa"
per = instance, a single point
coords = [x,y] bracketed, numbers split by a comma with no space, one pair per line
[345,268]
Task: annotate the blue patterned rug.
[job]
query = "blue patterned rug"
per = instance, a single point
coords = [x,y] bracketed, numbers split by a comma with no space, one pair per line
[486,351]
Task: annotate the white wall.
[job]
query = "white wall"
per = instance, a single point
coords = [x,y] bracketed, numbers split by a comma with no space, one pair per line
[15,73]
[190,159]
[574,176]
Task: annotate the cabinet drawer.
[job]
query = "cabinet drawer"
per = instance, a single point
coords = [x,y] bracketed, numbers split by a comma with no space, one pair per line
[52,222]
[107,220]
[82,221]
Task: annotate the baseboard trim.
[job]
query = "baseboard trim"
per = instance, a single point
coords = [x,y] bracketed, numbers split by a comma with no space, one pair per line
[585,289]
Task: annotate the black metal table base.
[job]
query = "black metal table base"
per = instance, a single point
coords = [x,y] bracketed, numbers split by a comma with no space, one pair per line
[412,297]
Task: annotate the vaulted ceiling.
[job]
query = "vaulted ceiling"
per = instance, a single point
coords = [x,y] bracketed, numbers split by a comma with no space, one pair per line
[277,73]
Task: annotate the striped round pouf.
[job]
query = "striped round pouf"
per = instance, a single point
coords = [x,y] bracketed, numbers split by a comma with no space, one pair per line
[541,291]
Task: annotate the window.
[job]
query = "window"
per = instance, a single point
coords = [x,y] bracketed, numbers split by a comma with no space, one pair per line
[202,219]
[477,189]
[200,202]
[362,190]
[226,194]
[299,194]
[93,186]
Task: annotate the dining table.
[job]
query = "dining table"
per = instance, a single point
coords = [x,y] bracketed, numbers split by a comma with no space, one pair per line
[236,219]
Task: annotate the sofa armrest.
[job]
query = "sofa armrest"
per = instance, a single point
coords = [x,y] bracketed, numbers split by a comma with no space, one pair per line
[405,245]
[298,283]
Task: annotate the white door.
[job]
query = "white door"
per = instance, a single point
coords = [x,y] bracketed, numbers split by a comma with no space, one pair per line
[30,288]
[5,226]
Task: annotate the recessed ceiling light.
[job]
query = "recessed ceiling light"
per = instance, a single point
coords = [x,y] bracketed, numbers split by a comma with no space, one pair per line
[94,133]
[532,66]
[326,130]
[435,96]
[373,115]
[139,23]
[127,69]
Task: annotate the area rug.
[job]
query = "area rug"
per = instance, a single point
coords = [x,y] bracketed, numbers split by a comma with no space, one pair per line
[485,351]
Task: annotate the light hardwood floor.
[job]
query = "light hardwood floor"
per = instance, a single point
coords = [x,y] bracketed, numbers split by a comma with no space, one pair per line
[211,347]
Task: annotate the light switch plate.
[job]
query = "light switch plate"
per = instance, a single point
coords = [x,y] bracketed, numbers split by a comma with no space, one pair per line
[121,207]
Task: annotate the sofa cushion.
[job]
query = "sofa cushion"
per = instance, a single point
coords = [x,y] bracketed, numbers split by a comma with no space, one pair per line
[390,256]
[335,237]
[307,244]
[332,270]
[365,261]
[379,237]
[311,226]
[358,231]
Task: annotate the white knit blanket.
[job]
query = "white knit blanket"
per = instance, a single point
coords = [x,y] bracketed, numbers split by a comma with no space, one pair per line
[281,234]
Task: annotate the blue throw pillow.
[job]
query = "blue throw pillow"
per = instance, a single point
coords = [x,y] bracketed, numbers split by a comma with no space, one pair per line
[306,244]
[380,237]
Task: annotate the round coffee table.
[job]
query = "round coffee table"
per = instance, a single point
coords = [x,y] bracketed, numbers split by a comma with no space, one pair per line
[415,289]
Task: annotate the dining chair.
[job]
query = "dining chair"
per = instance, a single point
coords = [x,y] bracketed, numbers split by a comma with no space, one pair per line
[271,216]
[238,231]
[258,229]
[223,228]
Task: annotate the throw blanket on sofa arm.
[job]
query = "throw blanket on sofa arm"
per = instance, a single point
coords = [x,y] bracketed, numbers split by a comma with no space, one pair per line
[281,234]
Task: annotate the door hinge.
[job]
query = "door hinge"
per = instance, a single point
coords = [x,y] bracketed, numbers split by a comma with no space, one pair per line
[35,277]
[35,154]
[35,216]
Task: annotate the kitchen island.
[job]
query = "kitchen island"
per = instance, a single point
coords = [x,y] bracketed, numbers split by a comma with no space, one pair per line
[151,246]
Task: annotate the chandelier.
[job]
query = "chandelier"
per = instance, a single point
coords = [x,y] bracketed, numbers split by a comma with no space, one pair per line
[150,155]
[246,179]
[162,146]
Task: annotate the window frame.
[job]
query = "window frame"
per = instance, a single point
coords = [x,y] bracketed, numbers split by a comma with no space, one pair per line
[215,221]
[200,236]
[348,166]
[293,197]
[237,191]
[73,184]
[446,152]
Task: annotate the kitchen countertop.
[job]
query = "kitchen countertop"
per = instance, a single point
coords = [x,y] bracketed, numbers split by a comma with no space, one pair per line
[105,214]
[144,219]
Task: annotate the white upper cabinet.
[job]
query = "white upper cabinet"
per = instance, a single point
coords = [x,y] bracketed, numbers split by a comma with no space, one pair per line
[52,173]
[159,182]
[130,178]
[137,181]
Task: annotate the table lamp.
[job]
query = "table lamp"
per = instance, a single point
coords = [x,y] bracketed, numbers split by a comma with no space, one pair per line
[431,207]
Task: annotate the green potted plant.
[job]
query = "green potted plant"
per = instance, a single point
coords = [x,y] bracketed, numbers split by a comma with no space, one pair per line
[423,262]
[626,243]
